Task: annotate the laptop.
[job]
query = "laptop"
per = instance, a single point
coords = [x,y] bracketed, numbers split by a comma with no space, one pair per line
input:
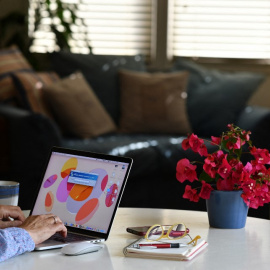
[84,189]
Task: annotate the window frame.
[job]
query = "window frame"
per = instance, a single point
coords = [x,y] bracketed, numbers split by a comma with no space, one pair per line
[162,56]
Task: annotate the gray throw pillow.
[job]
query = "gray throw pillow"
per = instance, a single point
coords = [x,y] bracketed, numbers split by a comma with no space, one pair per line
[216,98]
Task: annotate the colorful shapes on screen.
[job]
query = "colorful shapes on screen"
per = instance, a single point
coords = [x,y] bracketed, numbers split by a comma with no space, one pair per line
[50,181]
[69,165]
[73,206]
[87,211]
[104,182]
[80,192]
[111,195]
[49,200]
[63,190]
[100,184]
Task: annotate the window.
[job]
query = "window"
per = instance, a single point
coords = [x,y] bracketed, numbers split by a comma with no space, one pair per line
[165,28]
[112,27]
[221,28]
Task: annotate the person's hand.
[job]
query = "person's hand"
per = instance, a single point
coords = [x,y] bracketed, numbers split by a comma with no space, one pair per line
[42,227]
[10,216]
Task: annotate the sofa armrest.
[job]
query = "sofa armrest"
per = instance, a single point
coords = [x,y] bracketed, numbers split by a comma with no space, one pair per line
[257,120]
[31,137]
[26,128]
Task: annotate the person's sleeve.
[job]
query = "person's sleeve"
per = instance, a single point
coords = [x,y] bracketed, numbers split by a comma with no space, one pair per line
[13,242]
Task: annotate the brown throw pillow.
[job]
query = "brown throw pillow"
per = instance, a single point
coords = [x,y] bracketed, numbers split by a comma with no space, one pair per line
[77,109]
[154,102]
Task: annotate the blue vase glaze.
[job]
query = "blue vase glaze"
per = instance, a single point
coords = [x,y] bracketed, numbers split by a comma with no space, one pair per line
[226,209]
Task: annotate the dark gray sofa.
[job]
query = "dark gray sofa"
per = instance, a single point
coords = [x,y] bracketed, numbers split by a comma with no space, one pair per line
[214,100]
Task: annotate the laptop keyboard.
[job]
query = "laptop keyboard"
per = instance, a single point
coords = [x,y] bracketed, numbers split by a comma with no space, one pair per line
[70,238]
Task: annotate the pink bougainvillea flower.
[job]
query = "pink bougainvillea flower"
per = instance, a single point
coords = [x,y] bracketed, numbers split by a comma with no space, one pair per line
[205,190]
[235,145]
[186,171]
[257,167]
[247,197]
[210,169]
[212,162]
[248,168]
[245,135]
[238,143]
[224,169]
[248,186]
[185,143]
[254,203]
[219,155]
[261,155]
[215,140]
[224,184]
[197,145]
[203,150]
[191,194]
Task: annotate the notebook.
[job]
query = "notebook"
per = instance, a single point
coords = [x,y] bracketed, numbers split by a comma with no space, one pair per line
[182,254]
[84,189]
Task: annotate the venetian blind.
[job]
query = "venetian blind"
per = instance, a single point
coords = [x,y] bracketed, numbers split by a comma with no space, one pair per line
[111,27]
[221,28]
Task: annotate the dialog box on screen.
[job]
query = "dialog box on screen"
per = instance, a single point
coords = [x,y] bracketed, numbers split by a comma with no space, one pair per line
[83,178]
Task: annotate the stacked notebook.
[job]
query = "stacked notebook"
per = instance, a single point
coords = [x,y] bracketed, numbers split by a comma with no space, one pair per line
[182,253]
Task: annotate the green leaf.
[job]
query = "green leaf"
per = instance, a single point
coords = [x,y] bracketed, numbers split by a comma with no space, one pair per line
[204,176]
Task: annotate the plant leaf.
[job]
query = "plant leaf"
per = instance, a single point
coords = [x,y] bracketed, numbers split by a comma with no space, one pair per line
[204,176]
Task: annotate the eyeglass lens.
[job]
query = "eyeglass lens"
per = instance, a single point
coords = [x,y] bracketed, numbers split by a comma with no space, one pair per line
[178,230]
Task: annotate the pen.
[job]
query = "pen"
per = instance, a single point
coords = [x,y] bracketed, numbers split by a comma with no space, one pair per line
[164,245]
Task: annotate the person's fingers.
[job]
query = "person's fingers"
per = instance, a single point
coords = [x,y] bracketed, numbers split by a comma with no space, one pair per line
[15,212]
[51,219]
[10,223]
[42,227]
[60,228]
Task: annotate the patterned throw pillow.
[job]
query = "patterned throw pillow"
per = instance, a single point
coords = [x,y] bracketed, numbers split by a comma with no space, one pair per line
[154,102]
[30,87]
[20,85]
[11,60]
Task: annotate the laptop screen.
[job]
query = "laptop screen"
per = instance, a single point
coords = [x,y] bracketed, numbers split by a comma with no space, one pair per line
[83,190]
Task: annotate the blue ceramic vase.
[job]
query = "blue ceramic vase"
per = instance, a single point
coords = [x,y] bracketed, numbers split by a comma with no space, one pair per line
[226,209]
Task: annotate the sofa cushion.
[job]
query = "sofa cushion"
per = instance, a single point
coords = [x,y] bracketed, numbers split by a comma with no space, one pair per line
[216,98]
[29,85]
[76,108]
[11,60]
[154,102]
[101,72]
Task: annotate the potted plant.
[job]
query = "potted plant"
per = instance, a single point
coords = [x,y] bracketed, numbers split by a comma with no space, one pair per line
[62,17]
[229,185]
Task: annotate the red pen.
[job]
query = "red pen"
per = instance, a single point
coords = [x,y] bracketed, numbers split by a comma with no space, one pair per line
[163,245]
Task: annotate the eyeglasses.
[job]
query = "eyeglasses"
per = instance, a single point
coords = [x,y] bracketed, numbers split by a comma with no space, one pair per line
[172,232]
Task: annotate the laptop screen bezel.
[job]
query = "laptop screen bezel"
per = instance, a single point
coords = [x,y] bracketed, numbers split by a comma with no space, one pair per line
[81,153]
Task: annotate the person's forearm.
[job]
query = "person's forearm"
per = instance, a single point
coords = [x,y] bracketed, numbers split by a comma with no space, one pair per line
[13,242]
